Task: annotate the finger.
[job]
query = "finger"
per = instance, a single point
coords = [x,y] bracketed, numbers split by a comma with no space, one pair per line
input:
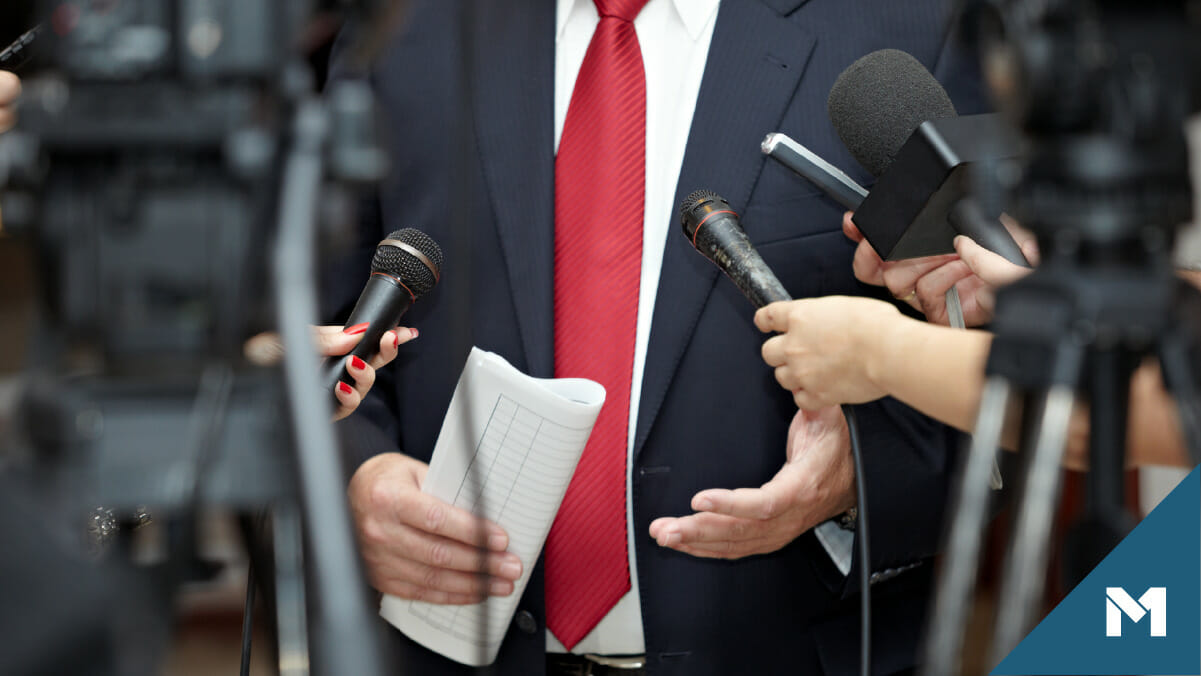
[412,592]
[431,515]
[1020,235]
[902,277]
[10,88]
[867,265]
[362,373]
[436,579]
[979,301]
[389,345]
[932,289]
[332,341]
[391,541]
[707,527]
[1030,251]
[850,229]
[348,400]
[774,351]
[265,349]
[991,267]
[728,550]
[787,378]
[761,504]
[8,118]
[773,317]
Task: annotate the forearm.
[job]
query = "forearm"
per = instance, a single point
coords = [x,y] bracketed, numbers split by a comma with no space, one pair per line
[936,370]
[940,372]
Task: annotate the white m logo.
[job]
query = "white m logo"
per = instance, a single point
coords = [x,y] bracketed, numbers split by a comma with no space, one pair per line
[1154,603]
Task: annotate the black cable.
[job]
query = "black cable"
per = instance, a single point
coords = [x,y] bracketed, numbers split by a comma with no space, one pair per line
[247,621]
[861,530]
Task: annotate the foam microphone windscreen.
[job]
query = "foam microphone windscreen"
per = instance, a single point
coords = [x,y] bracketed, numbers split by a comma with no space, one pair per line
[877,102]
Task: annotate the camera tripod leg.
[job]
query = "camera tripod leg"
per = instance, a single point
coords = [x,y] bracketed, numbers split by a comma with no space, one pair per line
[953,595]
[1177,370]
[289,592]
[1022,582]
[344,634]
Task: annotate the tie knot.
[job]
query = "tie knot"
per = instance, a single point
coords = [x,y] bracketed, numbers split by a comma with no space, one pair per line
[625,10]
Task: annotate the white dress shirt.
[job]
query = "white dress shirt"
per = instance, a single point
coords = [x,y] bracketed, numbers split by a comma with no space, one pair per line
[674,36]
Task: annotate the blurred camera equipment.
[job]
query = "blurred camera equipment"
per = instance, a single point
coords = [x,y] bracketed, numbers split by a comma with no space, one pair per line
[1100,90]
[170,169]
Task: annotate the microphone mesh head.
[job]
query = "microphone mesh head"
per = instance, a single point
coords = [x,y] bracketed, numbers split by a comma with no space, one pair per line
[879,100]
[695,198]
[409,269]
[690,217]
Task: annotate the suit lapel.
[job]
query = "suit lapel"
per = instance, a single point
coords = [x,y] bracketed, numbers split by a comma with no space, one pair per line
[514,75]
[755,62]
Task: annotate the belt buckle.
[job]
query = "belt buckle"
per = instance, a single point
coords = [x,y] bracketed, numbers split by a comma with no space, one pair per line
[621,663]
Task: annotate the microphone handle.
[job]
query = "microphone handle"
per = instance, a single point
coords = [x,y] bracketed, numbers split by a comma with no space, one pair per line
[807,164]
[758,283]
[381,305]
[731,250]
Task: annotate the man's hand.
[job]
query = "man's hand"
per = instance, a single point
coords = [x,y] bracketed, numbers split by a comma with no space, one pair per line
[266,349]
[826,350]
[10,90]
[815,484]
[923,282]
[419,547]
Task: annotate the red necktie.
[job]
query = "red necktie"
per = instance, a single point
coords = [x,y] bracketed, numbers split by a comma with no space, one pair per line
[600,185]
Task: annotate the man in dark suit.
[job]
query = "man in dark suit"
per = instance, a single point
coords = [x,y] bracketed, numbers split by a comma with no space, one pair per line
[707,413]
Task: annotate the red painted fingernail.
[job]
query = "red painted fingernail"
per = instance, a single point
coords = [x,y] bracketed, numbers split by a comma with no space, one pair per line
[356,329]
[358,363]
[346,389]
[395,339]
[415,332]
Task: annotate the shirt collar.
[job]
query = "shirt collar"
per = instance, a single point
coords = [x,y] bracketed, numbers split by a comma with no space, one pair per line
[694,14]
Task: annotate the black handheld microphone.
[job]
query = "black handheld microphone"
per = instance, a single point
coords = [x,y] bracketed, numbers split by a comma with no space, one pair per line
[406,266]
[714,229]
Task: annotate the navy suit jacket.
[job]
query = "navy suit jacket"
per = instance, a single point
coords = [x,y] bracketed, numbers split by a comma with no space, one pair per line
[711,413]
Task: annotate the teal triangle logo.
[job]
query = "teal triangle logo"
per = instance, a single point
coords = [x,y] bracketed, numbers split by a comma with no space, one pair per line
[1138,611]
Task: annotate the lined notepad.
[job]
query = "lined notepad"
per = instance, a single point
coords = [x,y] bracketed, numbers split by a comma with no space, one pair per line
[506,452]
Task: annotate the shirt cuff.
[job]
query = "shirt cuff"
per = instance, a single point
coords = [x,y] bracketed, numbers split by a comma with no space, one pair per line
[838,543]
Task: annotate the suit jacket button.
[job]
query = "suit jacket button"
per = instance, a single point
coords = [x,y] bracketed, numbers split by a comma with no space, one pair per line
[526,622]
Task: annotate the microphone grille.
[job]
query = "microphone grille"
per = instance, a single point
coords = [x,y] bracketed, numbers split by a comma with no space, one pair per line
[877,102]
[415,273]
[697,198]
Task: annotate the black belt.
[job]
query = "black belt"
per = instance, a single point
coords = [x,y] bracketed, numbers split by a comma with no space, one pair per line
[563,664]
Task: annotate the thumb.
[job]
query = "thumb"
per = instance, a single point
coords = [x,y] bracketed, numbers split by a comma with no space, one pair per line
[990,267]
[850,229]
[332,341]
